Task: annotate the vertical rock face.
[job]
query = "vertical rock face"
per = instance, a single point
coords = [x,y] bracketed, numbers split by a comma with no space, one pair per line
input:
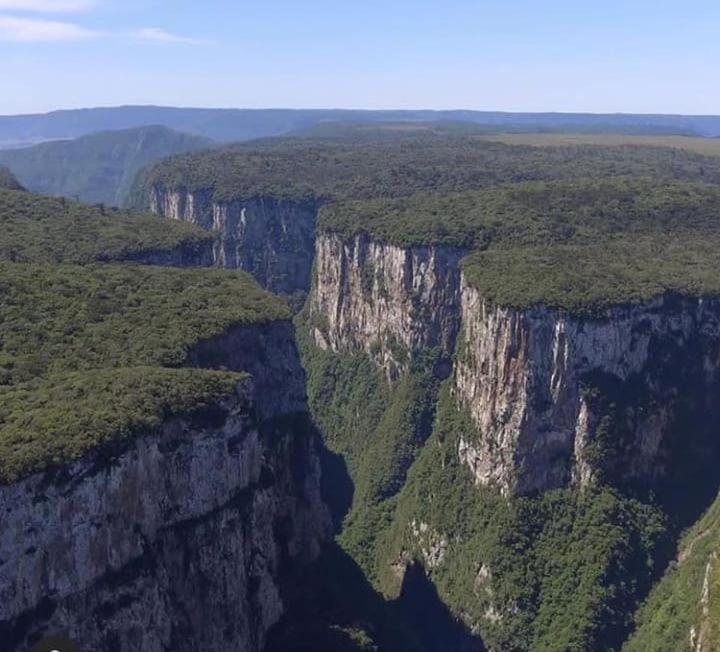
[267,352]
[558,399]
[178,538]
[270,238]
[387,300]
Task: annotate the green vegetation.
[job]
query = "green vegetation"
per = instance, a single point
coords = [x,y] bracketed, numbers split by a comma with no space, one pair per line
[65,317]
[675,605]
[98,168]
[8,180]
[75,337]
[564,569]
[330,170]
[45,229]
[527,214]
[58,418]
[587,280]
[89,354]
[377,427]
[578,245]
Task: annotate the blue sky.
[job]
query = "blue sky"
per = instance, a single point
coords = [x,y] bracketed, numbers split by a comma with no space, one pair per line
[517,55]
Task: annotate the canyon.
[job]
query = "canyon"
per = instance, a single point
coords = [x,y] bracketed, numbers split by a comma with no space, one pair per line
[554,400]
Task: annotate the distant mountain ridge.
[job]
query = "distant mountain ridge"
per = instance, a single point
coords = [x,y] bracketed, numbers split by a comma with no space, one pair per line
[98,168]
[244,124]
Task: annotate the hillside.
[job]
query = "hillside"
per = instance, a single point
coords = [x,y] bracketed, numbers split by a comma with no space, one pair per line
[150,416]
[244,124]
[47,229]
[579,245]
[123,326]
[98,168]
[683,610]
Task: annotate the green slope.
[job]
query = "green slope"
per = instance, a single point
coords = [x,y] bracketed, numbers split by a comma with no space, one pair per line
[48,229]
[582,245]
[91,354]
[687,599]
[431,162]
[98,168]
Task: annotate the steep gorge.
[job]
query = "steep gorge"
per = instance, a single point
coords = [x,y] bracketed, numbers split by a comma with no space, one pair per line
[526,402]
[160,472]
[529,456]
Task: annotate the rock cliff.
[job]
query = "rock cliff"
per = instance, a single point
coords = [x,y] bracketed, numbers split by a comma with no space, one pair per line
[557,399]
[270,238]
[560,400]
[177,539]
[389,301]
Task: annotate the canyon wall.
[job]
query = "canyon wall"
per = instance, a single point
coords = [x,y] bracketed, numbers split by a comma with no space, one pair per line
[270,238]
[391,302]
[557,400]
[178,538]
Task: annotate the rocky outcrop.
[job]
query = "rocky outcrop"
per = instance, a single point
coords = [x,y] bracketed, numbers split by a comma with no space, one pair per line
[179,538]
[560,400]
[389,301]
[270,238]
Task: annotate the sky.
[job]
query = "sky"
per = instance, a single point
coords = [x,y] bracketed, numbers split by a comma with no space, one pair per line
[637,56]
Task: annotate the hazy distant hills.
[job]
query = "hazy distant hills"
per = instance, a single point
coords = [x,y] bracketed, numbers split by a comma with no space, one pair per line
[98,168]
[244,124]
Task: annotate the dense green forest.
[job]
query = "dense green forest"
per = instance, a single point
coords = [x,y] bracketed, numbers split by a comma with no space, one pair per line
[387,168]
[676,606]
[90,354]
[579,228]
[580,245]
[97,168]
[564,570]
[531,213]
[47,229]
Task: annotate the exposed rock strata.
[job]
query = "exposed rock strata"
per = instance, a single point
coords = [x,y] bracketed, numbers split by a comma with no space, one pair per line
[559,399]
[389,301]
[270,238]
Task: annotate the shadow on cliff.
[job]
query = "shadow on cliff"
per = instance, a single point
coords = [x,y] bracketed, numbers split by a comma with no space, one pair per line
[336,485]
[430,619]
[331,607]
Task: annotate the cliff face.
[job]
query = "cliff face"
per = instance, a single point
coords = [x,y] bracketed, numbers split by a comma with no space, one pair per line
[178,539]
[270,238]
[559,400]
[386,300]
